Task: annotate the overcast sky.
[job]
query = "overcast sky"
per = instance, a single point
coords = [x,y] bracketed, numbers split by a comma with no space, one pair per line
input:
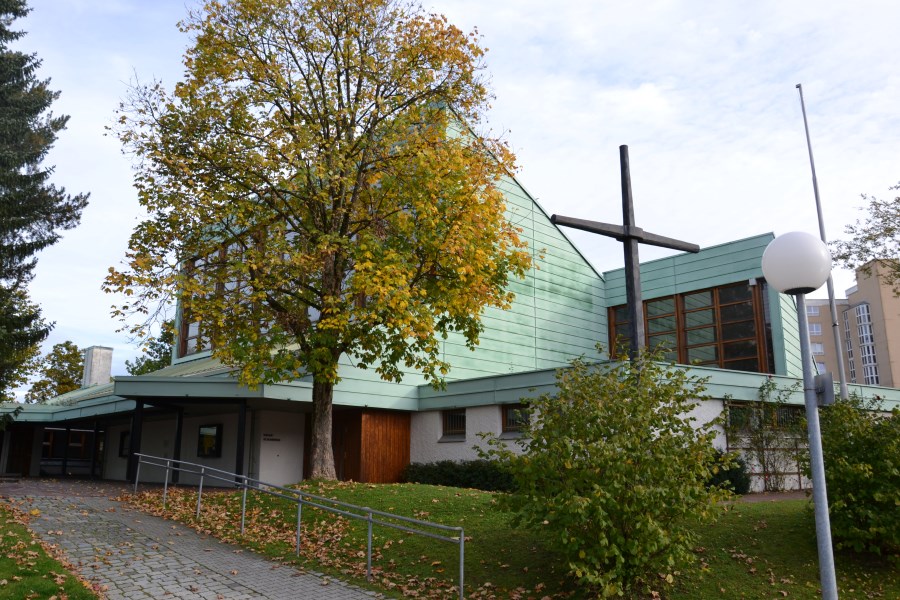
[703,93]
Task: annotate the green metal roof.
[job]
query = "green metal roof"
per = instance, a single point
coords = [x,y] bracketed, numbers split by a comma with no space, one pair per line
[721,384]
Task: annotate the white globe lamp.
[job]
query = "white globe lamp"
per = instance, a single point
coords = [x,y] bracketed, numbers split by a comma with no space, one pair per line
[796,263]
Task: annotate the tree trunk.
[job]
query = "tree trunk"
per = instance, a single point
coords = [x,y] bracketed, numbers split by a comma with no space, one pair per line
[321,458]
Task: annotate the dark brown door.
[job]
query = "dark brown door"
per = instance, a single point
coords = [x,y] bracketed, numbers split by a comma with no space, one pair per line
[345,442]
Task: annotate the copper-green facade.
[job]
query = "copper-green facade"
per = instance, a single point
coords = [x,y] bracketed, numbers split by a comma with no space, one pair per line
[560,312]
[714,266]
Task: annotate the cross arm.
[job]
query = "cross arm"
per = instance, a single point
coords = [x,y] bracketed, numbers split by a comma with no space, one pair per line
[621,233]
[666,242]
[607,229]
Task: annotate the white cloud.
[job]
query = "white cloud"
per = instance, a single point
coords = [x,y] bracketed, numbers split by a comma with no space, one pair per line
[702,92]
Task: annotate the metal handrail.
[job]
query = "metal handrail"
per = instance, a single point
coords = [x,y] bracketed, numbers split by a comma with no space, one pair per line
[302,499]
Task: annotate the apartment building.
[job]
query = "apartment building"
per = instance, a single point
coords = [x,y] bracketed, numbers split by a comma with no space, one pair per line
[869,324]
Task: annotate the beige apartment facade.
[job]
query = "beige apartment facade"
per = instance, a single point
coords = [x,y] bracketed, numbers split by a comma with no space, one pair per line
[869,324]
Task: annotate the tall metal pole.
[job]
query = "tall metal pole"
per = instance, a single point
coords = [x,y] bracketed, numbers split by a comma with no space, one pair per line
[817,462]
[835,330]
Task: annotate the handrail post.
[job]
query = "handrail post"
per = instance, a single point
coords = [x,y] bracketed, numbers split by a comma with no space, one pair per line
[200,490]
[137,473]
[166,483]
[369,545]
[462,562]
[299,518]
[243,507]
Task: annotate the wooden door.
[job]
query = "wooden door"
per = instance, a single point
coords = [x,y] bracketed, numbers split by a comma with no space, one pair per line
[385,445]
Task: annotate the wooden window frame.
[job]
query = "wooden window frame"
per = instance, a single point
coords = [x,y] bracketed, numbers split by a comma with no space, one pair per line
[511,424]
[216,259]
[676,306]
[47,443]
[717,305]
[185,322]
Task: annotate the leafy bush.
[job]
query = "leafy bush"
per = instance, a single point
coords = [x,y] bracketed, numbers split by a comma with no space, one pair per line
[614,473]
[862,476]
[486,475]
[731,473]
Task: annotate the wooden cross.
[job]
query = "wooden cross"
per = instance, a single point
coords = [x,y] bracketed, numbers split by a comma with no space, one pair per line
[630,235]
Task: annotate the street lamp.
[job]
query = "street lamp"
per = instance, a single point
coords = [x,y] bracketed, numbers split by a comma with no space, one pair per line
[797,263]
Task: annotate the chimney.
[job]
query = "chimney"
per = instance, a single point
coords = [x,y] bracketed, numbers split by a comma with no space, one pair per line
[97,366]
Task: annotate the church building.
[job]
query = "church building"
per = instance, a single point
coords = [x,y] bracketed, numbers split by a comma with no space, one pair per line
[712,310]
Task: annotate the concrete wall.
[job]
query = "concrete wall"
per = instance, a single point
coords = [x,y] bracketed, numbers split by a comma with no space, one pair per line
[114,466]
[158,439]
[97,366]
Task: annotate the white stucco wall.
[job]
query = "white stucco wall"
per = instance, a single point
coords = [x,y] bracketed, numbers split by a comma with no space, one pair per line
[278,447]
[425,435]
[706,411]
[426,432]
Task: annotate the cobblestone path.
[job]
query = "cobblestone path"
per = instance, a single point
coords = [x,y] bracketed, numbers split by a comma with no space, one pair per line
[139,556]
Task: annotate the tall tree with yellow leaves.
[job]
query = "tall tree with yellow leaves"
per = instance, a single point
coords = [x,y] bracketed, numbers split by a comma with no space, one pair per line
[315,190]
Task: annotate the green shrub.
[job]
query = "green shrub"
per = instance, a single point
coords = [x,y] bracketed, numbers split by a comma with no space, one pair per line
[614,473]
[731,473]
[862,476]
[486,475]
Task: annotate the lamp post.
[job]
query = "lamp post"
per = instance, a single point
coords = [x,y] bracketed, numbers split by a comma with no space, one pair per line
[797,263]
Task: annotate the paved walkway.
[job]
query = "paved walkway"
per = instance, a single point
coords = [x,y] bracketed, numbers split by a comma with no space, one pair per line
[139,556]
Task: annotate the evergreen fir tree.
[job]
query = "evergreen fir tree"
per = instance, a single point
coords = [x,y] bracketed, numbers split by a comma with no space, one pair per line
[33,211]
[20,325]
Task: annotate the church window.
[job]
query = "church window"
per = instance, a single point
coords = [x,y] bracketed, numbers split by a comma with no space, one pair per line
[721,327]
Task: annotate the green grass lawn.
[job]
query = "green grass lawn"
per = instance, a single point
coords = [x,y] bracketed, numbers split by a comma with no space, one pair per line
[768,550]
[27,572]
[764,550]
